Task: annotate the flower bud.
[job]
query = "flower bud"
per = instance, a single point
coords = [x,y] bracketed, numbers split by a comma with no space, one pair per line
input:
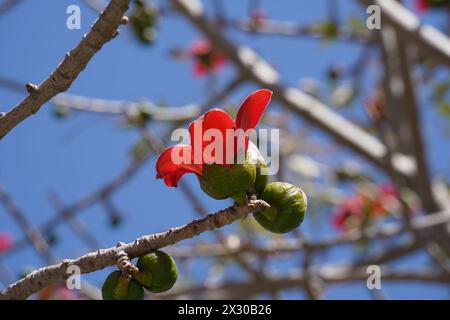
[287,207]
[157,271]
[118,287]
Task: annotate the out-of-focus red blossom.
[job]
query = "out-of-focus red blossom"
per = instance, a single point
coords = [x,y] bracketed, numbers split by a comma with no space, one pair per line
[258,16]
[349,209]
[384,199]
[353,211]
[375,108]
[206,58]
[422,5]
[6,241]
[57,292]
[425,5]
[375,105]
[248,116]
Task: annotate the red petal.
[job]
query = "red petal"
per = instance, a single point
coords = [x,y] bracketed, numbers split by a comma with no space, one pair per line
[421,6]
[252,109]
[199,69]
[200,47]
[172,180]
[218,61]
[213,119]
[6,241]
[171,170]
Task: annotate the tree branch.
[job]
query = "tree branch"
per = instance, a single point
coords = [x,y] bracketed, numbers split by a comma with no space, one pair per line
[419,225]
[7,5]
[327,274]
[102,258]
[70,211]
[257,69]
[288,29]
[33,235]
[103,30]
[402,100]
[428,39]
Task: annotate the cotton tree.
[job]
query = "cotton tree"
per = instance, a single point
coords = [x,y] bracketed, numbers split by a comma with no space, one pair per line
[300,184]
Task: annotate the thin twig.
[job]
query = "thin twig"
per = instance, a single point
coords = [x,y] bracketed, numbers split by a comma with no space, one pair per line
[102,258]
[328,274]
[261,72]
[7,5]
[103,30]
[32,234]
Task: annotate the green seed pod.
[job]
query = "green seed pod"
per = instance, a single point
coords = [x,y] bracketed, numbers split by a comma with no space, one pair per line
[261,180]
[117,287]
[157,271]
[235,181]
[221,182]
[287,207]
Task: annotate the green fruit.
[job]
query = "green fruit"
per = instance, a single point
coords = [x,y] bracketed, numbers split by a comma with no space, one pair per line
[287,207]
[157,271]
[222,182]
[236,181]
[117,287]
[261,180]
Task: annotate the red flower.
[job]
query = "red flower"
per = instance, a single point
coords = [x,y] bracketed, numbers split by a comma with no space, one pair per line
[192,157]
[206,58]
[349,208]
[354,210]
[422,5]
[386,197]
[388,189]
[375,109]
[6,241]
[257,17]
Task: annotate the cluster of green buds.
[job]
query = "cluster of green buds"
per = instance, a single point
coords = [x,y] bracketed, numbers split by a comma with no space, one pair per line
[287,202]
[156,272]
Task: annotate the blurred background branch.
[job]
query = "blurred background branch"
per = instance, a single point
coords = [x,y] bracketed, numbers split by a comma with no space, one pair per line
[376,171]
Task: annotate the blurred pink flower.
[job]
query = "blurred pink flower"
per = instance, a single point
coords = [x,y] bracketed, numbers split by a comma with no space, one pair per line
[258,15]
[387,195]
[421,5]
[354,210]
[206,58]
[6,241]
[349,208]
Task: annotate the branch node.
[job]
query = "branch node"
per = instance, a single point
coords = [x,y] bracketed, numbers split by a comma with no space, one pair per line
[124,264]
[31,88]
[124,20]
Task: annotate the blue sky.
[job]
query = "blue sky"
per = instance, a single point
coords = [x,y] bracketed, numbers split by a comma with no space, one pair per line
[78,155]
